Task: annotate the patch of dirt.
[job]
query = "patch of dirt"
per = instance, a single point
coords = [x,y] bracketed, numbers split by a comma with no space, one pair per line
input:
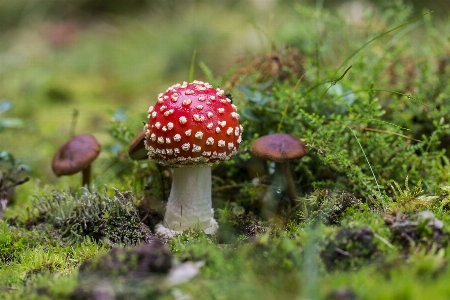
[244,226]
[124,273]
[328,206]
[349,248]
[421,231]
[341,294]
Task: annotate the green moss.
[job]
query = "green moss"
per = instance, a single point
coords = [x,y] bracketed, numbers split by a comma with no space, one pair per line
[73,217]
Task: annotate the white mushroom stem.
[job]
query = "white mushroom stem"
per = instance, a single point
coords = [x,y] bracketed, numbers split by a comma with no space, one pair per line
[189,204]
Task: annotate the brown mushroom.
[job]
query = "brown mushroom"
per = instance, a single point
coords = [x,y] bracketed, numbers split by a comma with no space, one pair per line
[137,150]
[76,155]
[281,148]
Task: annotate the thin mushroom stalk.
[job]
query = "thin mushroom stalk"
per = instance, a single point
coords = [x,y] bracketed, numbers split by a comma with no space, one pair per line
[289,181]
[86,177]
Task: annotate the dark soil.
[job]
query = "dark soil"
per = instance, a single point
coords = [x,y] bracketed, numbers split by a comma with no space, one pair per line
[421,230]
[349,248]
[113,275]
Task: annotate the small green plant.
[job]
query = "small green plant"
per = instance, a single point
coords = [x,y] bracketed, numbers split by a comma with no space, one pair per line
[408,200]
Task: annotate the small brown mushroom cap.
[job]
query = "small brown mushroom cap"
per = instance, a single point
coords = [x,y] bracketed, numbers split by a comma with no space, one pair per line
[75,155]
[279,147]
[137,150]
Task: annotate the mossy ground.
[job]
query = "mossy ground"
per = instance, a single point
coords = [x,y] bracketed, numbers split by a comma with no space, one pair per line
[368,93]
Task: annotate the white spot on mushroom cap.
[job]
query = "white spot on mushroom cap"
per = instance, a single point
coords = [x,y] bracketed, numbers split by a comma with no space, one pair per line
[187,101]
[209,141]
[170,111]
[189,92]
[222,123]
[158,125]
[162,108]
[170,125]
[150,109]
[210,125]
[177,137]
[196,148]
[188,132]
[221,143]
[230,146]
[154,114]
[217,129]
[199,107]
[167,140]
[153,137]
[221,110]
[230,130]
[199,118]
[210,114]
[160,140]
[182,120]
[201,98]
[212,98]
[186,146]
[199,135]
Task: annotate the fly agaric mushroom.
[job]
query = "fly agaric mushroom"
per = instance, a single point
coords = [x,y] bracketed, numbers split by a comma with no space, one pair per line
[76,155]
[281,148]
[191,127]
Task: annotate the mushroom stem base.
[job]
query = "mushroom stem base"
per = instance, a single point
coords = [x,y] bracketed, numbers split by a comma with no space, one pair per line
[169,233]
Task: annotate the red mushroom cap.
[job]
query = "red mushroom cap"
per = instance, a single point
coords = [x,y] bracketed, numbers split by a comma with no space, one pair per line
[192,124]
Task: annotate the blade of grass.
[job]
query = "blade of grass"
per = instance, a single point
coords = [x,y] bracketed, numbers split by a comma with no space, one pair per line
[334,81]
[192,68]
[379,36]
[367,159]
[362,47]
[381,90]
[283,115]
